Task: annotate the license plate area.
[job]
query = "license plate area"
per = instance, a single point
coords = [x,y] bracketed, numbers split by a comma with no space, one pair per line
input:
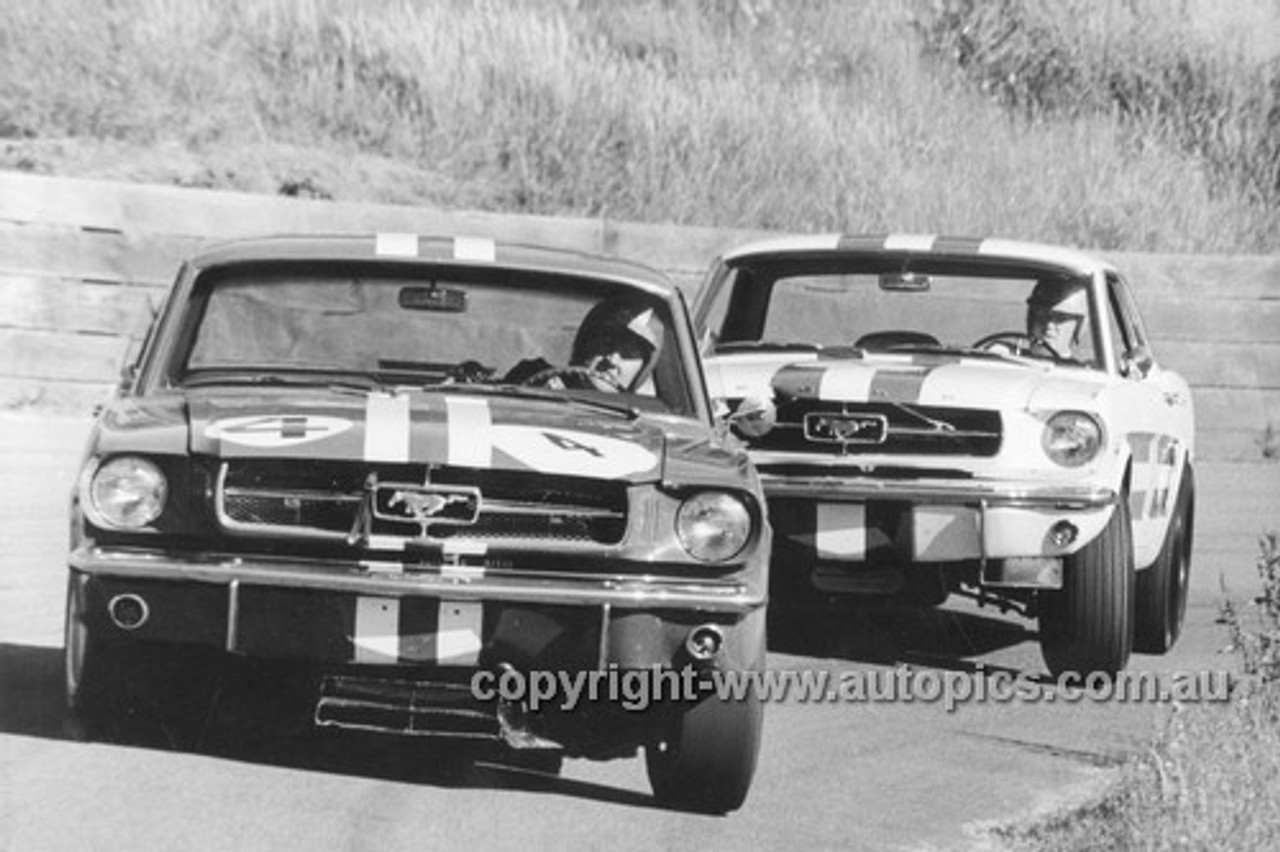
[369,630]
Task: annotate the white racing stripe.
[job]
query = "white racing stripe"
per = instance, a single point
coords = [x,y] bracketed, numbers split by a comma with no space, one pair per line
[396,245]
[475,248]
[909,242]
[386,428]
[841,531]
[845,384]
[377,630]
[470,432]
[458,634]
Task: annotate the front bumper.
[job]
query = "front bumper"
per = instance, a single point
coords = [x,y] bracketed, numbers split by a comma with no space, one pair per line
[1011,494]
[896,522]
[338,612]
[456,582]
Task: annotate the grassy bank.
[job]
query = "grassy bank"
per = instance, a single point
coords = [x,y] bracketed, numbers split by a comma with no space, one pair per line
[1049,121]
[1211,780]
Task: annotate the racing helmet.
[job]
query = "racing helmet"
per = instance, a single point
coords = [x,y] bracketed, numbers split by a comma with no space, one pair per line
[1063,296]
[627,325]
[1064,299]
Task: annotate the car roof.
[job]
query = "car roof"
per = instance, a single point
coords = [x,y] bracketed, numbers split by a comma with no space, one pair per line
[403,248]
[924,246]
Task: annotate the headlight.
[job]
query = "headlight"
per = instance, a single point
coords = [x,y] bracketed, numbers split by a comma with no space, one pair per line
[127,493]
[1072,438]
[713,526]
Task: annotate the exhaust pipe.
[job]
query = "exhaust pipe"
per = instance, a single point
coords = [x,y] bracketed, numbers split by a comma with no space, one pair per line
[128,612]
[704,642]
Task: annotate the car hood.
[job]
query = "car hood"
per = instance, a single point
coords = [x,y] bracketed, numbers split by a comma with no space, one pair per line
[930,379]
[464,430]
[467,430]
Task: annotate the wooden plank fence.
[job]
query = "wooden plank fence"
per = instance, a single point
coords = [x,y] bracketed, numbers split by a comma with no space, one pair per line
[83,263]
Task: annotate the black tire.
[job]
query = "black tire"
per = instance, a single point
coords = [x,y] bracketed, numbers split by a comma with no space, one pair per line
[1087,626]
[707,757]
[1161,605]
[92,669]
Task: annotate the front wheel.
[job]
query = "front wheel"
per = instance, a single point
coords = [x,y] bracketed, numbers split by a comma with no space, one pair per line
[1087,625]
[1162,589]
[92,668]
[707,758]
[120,690]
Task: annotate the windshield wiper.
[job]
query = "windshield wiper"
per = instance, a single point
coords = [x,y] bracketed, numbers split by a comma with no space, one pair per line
[359,384]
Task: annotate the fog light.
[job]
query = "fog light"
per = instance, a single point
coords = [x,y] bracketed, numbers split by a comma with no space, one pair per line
[704,642]
[128,612]
[1063,533]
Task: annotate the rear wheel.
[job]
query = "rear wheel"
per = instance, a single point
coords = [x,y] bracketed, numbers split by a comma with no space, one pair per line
[1161,605]
[1087,626]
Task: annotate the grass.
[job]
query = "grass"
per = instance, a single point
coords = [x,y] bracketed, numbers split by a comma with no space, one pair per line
[1211,780]
[1061,122]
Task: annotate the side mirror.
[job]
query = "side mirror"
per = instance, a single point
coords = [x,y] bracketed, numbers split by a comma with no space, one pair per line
[128,373]
[1137,362]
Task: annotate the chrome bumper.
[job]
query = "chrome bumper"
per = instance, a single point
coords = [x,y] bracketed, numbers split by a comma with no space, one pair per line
[940,492]
[459,583]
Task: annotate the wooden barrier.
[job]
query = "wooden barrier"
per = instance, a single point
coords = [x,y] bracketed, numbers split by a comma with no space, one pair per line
[83,263]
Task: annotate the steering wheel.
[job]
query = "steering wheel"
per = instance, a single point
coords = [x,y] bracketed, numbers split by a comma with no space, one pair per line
[579,378]
[1015,341]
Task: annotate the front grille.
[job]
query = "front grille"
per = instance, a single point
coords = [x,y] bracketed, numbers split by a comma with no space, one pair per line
[330,500]
[843,429]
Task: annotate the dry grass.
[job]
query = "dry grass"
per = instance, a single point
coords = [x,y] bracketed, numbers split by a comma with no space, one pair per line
[736,113]
[1211,782]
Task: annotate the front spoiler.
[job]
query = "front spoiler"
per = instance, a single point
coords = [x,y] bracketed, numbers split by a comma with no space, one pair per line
[458,583]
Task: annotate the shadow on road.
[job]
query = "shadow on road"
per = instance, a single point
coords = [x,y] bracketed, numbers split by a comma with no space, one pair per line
[246,723]
[887,634]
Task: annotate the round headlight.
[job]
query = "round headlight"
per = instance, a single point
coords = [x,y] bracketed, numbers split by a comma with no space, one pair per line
[127,492]
[1072,438]
[713,526]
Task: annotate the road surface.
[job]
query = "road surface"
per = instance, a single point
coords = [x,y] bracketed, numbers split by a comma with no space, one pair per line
[833,774]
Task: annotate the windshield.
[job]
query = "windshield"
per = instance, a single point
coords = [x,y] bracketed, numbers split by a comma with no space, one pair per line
[1010,315]
[499,328]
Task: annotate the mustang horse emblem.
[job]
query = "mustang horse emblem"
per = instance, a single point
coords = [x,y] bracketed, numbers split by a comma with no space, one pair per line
[851,428]
[423,506]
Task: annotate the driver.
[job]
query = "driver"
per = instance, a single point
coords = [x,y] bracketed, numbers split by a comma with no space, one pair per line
[1056,315]
[618,344]
[615,349]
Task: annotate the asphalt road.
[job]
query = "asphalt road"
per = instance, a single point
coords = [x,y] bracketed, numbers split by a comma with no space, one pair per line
[868,775]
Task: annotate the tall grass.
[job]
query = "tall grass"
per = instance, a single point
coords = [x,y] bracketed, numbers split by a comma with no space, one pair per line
[820,115]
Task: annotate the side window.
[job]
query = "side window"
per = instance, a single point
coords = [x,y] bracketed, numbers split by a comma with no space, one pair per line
[711,322]
[1128,337]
